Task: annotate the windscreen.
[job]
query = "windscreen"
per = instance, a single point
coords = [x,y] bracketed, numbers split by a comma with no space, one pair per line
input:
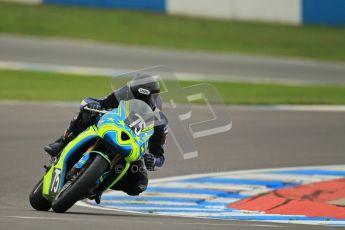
[139,115]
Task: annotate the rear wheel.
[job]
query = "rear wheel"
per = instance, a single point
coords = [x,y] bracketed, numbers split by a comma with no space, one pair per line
[77,188]
[37,200]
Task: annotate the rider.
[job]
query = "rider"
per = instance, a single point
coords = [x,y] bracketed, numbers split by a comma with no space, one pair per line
[143,87]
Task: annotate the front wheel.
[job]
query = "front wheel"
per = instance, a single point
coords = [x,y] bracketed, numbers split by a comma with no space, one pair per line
[76,189]
[37,200]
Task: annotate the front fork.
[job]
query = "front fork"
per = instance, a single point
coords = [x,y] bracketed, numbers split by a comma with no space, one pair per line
[83,161]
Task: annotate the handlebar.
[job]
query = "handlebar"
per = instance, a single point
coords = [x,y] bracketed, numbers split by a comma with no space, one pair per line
[96,110]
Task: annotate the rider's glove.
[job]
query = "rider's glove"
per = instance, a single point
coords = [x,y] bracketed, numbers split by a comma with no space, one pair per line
[150,161]
[94,105]
[90,103]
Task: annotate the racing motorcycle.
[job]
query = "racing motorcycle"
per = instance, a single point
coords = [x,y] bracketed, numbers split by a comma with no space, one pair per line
[97,158]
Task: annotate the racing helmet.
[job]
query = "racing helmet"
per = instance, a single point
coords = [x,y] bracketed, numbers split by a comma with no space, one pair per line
[145,87]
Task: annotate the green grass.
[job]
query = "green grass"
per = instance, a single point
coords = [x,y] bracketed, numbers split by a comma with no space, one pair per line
[41,86]
[158,30]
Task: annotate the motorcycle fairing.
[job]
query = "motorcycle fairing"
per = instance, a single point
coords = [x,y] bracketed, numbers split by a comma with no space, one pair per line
[112,128]
[54,178]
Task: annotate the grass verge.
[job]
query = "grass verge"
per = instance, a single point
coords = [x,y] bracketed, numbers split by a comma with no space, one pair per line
[44,86]
[158,30]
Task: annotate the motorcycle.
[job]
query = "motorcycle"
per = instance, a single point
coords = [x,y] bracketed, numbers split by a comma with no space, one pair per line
[97,158]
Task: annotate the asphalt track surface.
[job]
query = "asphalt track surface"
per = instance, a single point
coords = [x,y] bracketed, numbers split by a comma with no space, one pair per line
[258,139]
[234,67]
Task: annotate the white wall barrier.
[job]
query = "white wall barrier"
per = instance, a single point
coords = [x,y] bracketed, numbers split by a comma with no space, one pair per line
[284,11]
[24,1]
[320,12]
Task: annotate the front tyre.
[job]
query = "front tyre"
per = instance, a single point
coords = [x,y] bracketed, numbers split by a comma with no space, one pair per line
[37,200]
[75,190]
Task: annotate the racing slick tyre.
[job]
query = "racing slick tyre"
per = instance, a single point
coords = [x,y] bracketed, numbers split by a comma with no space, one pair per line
[37,200]
[77,188]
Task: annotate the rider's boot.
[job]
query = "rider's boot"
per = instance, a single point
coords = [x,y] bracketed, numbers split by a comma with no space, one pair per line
[80,122]
[55,148]
[98,199]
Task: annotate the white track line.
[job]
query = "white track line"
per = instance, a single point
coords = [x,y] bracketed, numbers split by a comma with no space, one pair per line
[293,108]
[82,204]
[109,72]
[142,221]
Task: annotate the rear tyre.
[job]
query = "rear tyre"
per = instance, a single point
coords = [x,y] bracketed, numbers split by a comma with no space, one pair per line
[37,200]
[75,190]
